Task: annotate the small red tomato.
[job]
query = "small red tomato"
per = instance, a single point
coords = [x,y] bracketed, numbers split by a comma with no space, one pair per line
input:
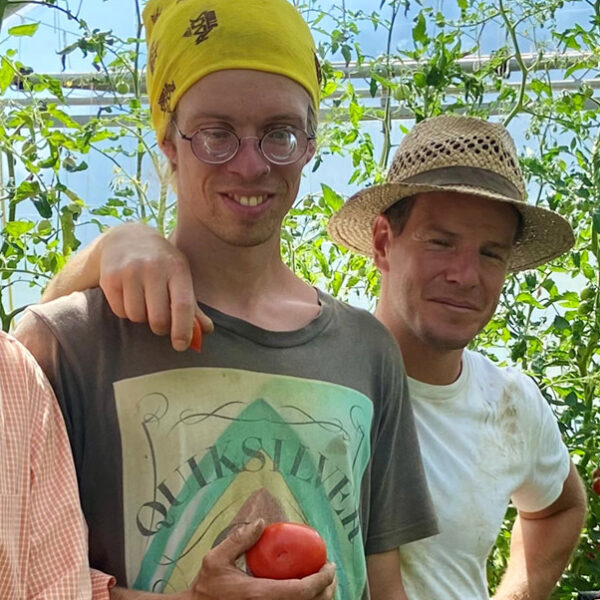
[287,551]
[596,486]
[196,343]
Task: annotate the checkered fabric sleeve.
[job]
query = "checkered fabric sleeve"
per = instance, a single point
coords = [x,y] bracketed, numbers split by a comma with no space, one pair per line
[101,584]
[43,536]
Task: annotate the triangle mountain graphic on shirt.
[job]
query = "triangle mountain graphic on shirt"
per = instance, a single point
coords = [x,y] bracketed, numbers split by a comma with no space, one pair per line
[281,456]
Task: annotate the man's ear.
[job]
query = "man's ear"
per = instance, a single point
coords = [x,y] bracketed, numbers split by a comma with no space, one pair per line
[310,151]
[382,235]
[169,150]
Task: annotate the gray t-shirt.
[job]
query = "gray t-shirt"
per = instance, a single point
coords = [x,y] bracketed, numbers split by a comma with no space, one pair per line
[174,449]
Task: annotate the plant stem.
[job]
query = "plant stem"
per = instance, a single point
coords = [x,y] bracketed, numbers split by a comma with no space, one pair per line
[519,58]
[387,115]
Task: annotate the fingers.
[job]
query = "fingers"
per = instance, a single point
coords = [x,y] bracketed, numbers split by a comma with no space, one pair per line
[146,279]
[113,292]
[205,322]
[320,586]
[220,579]
[240,539]
[182,306]
[329,592]
[156,298]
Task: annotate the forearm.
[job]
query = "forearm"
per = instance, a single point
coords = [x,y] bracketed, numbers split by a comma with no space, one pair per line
[540,550]
[385,579]
[81,272]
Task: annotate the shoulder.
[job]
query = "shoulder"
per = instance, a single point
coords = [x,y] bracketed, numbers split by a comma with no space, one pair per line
[79,312]
[361,324]
[65,327]
[71,310]
[19,370]
[482,366]
[509,381]
[14,357]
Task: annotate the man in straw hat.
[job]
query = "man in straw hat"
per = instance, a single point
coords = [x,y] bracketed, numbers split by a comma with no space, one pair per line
[295,405]
[444,230]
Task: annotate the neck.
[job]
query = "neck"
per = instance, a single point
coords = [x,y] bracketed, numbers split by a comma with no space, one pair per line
[251,283]
[422,361]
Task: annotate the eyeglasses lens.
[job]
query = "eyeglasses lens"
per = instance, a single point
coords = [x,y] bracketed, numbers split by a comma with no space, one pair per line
[217,146]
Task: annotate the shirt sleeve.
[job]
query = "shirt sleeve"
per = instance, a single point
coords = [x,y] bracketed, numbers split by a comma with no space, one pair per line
[401,508]
[101,585]
[548,457]
[58,563]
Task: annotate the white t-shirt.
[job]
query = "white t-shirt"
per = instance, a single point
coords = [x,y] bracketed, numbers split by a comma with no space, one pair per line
[487,438]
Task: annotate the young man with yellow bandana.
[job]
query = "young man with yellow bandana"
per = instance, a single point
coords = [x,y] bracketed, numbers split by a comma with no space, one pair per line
[297,402]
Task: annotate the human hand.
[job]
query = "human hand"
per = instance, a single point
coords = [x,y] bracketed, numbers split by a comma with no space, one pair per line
[147,279]
[220,579]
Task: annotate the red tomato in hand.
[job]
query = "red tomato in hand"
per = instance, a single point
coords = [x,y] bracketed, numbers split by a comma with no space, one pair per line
[287,551]
[596,486]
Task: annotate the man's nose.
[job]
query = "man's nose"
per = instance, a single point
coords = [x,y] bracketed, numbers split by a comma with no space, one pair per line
[463,267]
[249,162]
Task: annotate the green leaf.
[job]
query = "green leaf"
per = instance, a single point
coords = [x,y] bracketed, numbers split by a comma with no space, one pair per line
[18,228]
[560,323]
[43,206]
[347,54]
[518,350]
[435,77]
[67,221]
[527,298]
[63,117]
[27,189]
[373,86]
[419,31]
[332,198]
[28,30]
[6,75]
[74,168]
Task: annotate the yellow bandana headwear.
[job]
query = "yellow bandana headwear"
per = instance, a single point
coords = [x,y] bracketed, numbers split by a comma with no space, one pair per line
[188,39]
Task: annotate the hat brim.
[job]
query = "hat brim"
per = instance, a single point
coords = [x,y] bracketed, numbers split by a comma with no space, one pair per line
[545,234]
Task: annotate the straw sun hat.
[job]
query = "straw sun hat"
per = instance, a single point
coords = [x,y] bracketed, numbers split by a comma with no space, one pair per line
[456,154]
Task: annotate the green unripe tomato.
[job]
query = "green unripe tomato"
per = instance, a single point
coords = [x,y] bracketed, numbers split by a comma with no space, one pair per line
[587,293]
[122,87]
[69,162]
[401,92]
[44,226]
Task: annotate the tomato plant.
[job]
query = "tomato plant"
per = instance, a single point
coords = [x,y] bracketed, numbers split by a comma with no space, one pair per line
[287,551]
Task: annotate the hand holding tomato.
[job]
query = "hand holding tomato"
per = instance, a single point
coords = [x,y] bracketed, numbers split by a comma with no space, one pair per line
[220,578]
[287,551]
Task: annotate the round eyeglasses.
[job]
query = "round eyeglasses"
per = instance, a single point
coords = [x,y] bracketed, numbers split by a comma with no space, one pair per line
[217,145]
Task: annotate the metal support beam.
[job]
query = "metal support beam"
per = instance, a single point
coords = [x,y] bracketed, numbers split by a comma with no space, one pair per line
[99,93]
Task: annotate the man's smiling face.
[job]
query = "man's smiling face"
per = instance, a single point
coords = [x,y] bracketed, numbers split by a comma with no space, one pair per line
[243,201]
[445,270]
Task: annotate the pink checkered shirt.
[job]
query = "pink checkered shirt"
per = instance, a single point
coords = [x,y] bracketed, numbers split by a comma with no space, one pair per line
[43,537]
